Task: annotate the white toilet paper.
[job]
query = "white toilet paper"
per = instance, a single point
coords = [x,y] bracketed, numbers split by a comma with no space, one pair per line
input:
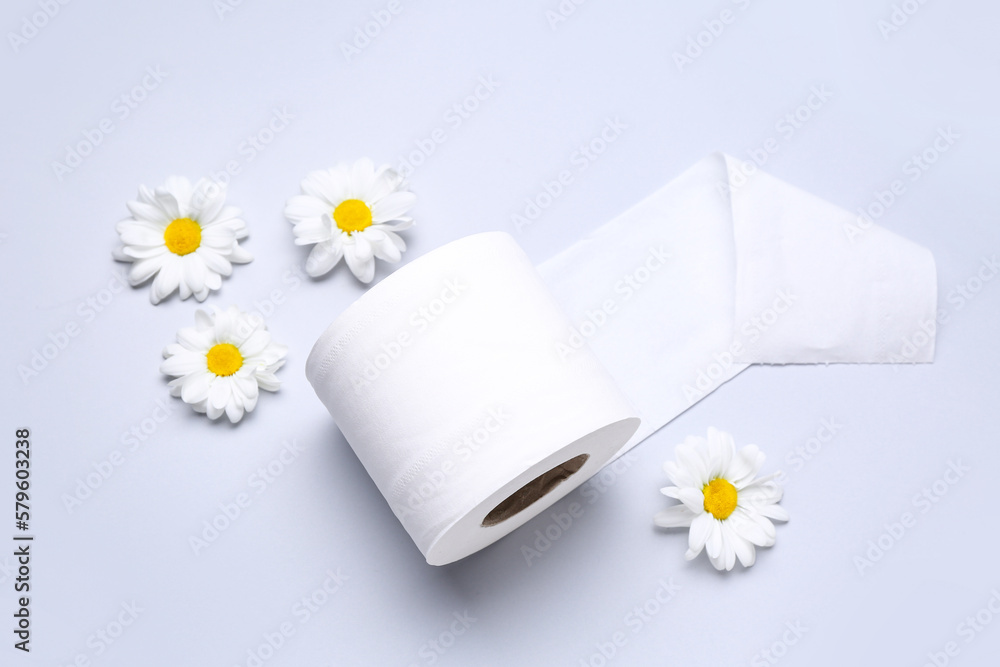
[478,391]
[446,380]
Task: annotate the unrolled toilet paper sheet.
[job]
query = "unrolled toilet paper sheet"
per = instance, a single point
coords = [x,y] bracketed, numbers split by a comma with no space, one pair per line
[757,271]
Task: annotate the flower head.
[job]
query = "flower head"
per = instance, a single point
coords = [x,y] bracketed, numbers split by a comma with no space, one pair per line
[352,212]
[220,363]
[728,509]
[184,236]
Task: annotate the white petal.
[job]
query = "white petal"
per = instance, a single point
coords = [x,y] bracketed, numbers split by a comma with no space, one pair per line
[327,185]
[212,411]
[323,257]
[255,343]
[363,270]
[714,544]
[179,188]
[214,261]
[143,270]
[315,230]
[132,253]
[219,237]
[203,320]
[690,459]
[183,363]
[776,512]
[268,382]
[762,491]
[196,386]
[385,181]
[393,206]
[306,207]
[702,529]
[728,548]
[239,255]
[363,250]
[397,225]
[207,200]
[149,212]
[693,498]
[677,516]
[721,448]
[234,410]
[362,179]
[166,280]
[383,248]
[394,237]
[678,475]
[745,465]
[220,394]
[141,234]
[195,271]
[744,550]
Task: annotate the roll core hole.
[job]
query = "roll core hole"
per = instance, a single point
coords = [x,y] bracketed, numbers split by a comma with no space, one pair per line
[534,490]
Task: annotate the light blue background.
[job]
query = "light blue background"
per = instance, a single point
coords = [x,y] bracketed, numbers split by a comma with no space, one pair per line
[559,83]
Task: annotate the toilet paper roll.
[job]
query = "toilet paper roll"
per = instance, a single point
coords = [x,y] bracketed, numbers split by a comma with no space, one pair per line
[447,381]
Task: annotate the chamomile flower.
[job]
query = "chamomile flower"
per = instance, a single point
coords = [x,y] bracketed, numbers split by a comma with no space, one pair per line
[727,508]
[183,237]
[220,364]
[351,212]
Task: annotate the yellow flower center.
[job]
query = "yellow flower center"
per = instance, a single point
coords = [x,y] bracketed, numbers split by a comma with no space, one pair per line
[182,236]
[352,215]
[224,359]
[720,498]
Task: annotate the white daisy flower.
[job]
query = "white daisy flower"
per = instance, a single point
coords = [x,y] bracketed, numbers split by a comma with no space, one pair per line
[184,236]
[220,363]
[726,508]
[352,212]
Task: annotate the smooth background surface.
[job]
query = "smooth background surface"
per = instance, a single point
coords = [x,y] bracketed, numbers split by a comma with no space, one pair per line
[558,86]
